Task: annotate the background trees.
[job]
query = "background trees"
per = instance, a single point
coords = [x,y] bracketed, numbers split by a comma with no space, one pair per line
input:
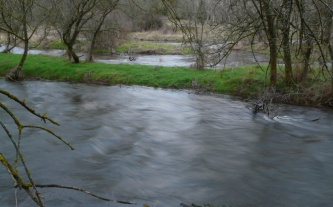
[296,32]
[20,19]
[145,15]
[197,21]
[69,19]
[96,25]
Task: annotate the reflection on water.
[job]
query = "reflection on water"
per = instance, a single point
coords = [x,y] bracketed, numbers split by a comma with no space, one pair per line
[164,147]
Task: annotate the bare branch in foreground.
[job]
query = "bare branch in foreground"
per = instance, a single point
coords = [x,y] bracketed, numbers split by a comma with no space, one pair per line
[22,103]
[51,132]
[83,191]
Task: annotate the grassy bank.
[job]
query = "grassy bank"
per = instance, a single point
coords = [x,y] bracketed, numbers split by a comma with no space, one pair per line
[245,81]
[152,48]
[217,81]
[134,47]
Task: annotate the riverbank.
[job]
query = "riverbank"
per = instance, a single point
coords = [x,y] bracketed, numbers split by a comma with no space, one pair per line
[247,82]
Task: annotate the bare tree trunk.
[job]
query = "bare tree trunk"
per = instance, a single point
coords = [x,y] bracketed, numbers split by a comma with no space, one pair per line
[69,42]
[18,75]
[199,28]
[305,33]
[306,56]
[286,13]
[15,75]
[327,30]
[330,49]
[93,41]
[271,36]
[96,32]
[92,45]
[72,54]
[75,57]
[273,64]
[83,13]
[200,62]
[100,23]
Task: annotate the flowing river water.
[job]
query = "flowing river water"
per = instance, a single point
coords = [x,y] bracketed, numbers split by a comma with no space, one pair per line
[236,58]
[166,147]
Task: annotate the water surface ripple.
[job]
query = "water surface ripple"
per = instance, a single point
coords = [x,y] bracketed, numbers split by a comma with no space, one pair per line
[164,147]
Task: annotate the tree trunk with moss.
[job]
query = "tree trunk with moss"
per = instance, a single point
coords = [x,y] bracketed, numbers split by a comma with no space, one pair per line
[93,40]
[286,14]
[327,16]
[74,15]
[15,75]
[270,30]
[69,41]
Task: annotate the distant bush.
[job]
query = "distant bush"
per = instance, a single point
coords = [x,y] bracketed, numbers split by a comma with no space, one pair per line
[149,22]
[57,44]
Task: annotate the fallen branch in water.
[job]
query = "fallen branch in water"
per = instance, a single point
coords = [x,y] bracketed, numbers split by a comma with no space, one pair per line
[264,103]
[83,191]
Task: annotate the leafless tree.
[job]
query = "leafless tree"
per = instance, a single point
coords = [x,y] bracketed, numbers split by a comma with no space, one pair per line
[292,28]
[19,19]
[69,18]
[325,9]
[198,21]
[98,24]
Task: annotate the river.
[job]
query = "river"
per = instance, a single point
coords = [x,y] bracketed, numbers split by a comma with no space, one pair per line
[236,58]
[166,147]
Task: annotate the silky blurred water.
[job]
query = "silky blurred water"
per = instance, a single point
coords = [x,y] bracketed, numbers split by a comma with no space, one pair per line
[166,147]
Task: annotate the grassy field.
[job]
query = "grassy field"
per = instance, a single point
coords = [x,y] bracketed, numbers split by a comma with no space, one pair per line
[244,81]
[157,48]
[133,46]
[218,81]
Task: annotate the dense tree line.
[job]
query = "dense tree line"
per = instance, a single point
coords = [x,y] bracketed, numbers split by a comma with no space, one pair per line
[24,20]
[297,31]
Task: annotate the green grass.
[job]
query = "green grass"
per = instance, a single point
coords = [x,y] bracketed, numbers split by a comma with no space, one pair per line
[229,81]
[138,46]
[57,44]
[245,81]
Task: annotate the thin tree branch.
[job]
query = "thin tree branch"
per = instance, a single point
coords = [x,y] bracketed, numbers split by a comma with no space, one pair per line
[51,132]
[22,103]
[83,191]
